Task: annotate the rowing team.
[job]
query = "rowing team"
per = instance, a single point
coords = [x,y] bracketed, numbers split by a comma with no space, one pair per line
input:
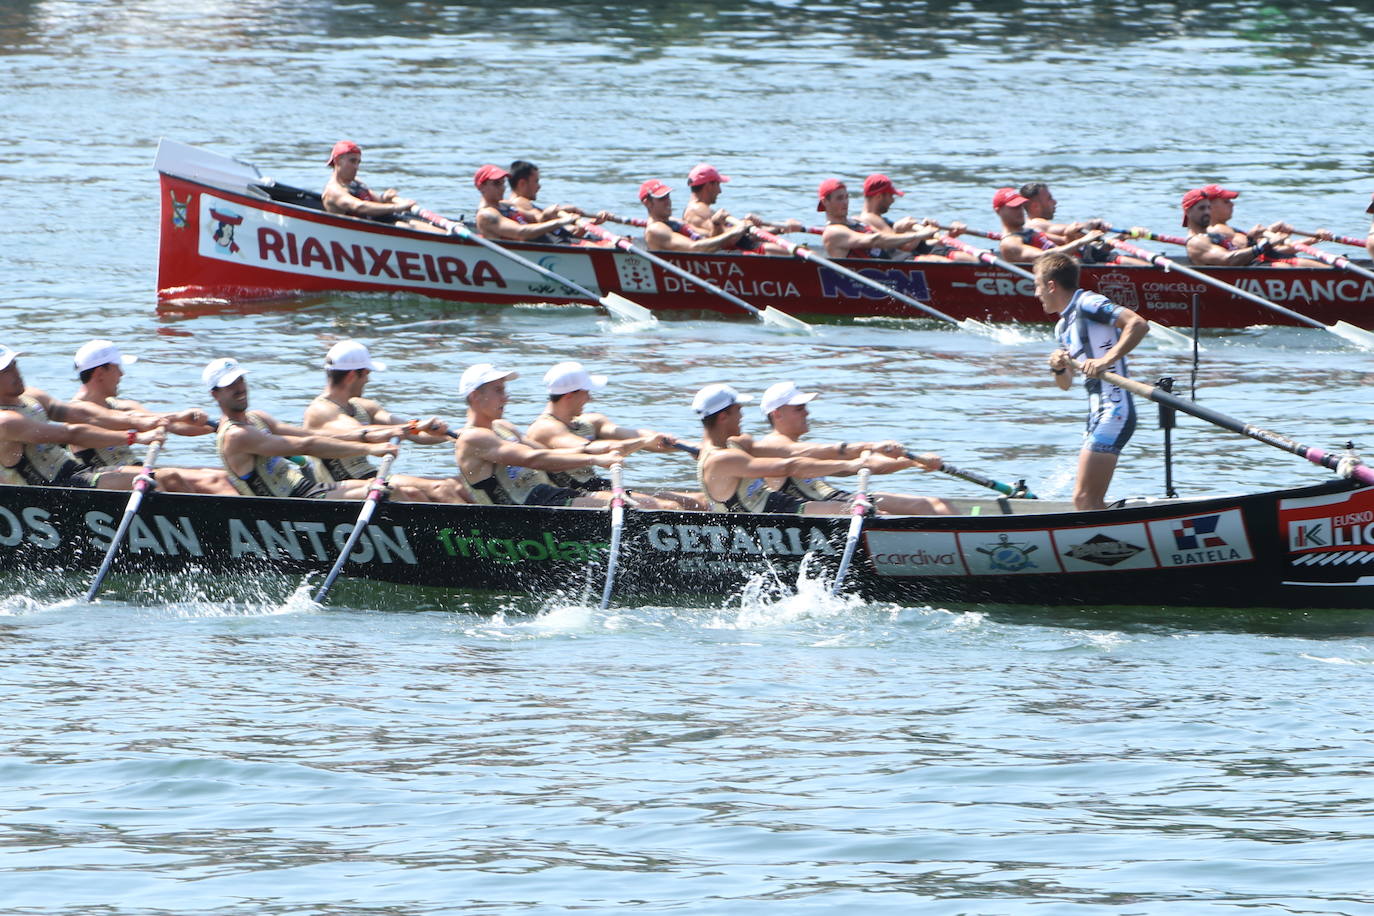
[87,441]
[1027,215]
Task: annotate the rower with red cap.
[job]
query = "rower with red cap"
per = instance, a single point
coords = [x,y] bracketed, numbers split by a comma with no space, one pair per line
[346,195]
[505,469]
[1020,242]
[848,238]
[1220,249]
[667,234]
[1040,208]
[879,195]
[1223,207]
[704,182]
[498,219]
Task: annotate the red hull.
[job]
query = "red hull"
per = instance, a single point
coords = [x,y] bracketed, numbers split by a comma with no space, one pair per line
[222,244]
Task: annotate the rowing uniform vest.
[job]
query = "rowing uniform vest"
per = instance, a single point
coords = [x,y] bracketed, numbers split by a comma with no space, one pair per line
[559,236]
[880,254]
[1221,238]
[110,456]
[42,464]
[584,479]
[508,485]
[270,475]
[811,489]
[360,190]
[1035,237]
[356,467]
[751,494]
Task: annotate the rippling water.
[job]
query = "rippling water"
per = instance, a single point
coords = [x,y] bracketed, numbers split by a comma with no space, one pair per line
[260,755]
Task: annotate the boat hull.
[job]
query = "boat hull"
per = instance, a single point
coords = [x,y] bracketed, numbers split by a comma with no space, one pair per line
[1299,549]
[225,245]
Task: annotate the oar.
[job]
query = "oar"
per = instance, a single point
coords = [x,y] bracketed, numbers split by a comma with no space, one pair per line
[1018,491]
[1340,239]
[769,316]
[1343,329]
[617,528]
[142,483]
[616,304]
[1139,233]
[1335,260]
[689,449]
[806,254]
[374,495]
[856,524]
[1359,471]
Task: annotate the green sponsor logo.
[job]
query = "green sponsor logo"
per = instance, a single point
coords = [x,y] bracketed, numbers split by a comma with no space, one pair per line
[544,549]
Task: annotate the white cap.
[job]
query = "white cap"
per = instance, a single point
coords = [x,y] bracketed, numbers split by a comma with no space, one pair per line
[351,354]
[566,377]
[100,353]
[715,398]
[8,356]
[223,371]
[475,377]
[783,394]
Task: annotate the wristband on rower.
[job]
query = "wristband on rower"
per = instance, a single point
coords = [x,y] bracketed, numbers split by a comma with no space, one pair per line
[131,436]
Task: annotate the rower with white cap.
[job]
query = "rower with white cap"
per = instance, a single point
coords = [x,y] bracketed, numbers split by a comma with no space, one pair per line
[341,410]
[257,448]
[564,424]
[784,406]
[733,479]
[37,428]
[100,366]
[502,467]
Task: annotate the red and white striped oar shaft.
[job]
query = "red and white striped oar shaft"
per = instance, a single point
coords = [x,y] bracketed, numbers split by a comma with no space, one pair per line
[1139,233]
[1335,260]
[1339,239]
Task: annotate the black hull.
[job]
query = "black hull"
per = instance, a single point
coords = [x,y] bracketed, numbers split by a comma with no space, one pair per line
[1299,549]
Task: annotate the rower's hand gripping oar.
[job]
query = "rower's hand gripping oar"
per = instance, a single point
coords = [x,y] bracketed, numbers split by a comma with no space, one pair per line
[617,529]
[142,484]
[861,508]
[1019,491]
[1360,472]
[806,254]
[375,494]
[769,315]
[616,304]
[1342,329]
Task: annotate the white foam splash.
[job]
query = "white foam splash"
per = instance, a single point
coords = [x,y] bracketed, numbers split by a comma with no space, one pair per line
[766,601]
[610,326]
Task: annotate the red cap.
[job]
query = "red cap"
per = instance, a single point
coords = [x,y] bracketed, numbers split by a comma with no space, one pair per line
[703,173]
[1192,199]
[342,148]
[880,184]
[653,188]
[1007,197]
[1217,192]
[828,187]
[488,173]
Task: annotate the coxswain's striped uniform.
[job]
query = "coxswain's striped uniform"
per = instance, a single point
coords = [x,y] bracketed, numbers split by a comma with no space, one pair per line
[512,485]
[751,494]
[1087,329]
[271,475]
[44,464]
[109,456]
[355,467]
[584,479]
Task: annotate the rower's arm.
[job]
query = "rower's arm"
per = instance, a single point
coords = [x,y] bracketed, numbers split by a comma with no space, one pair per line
[492,225]
[659,237]
[739,464]
[99,415]
[501,451]
[1202,250]
[290,442]
[15,427]
[338,200]
[1132,329]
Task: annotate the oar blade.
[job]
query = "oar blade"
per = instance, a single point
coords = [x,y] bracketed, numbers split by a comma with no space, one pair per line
[1356,335]
[983,329]
[785,322]
[1164,335]
[623,309]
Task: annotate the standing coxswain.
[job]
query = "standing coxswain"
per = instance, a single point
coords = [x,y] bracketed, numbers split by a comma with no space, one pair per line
[36,431]
[505,469]
[342,411]
[784,406]
[1094,336]
[100,367]
[257,448]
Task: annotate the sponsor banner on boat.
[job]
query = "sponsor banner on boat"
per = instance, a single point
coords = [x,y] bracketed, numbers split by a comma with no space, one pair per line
[1299,290]
[1003,553]
[235,232]
[908,282]
[1107,548]
[915,553]
[1330,538]
[1201,540]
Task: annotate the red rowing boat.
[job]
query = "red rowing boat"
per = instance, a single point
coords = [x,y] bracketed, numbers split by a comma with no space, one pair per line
[229,233]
